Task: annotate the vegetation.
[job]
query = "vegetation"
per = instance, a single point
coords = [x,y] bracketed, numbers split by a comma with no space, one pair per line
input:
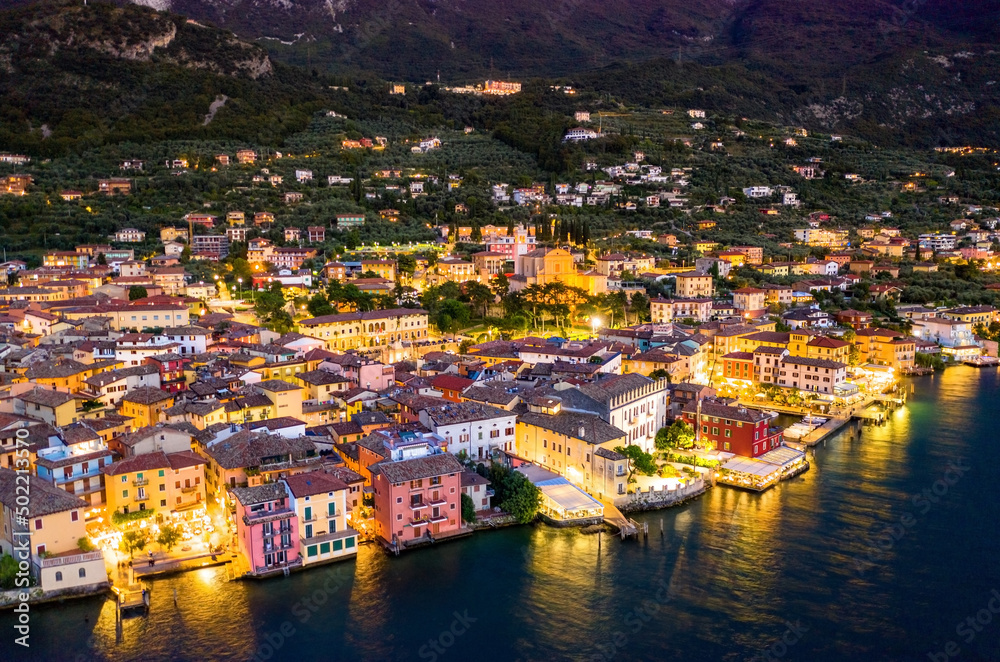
[168,537]
[514,493]
[120,518]
[84,545]
[678,435]
[929,361]
[134,540]
[468,509]
[639,461]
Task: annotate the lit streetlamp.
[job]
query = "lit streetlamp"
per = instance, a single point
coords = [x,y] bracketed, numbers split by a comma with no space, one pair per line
[595,324]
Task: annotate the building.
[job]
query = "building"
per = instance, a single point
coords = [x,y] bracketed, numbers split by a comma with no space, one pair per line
[115,186]
[456,270]
[578,446]
[368,329]
[246,156]
[130,235]
[210,246]
[750,302]
[348,221]
[694,285]
[417,498]
[169,483]
[546,265]
[822,237]
[731,429]
[501,87]
[267,528]
[885,347]
[471,427]
[145,405]
[45,534]
[53,407]
[665,311]
[319,501]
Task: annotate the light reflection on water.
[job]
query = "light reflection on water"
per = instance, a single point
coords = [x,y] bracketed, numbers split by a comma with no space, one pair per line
[739,566]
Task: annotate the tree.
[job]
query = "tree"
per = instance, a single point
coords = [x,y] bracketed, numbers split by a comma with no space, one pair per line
[468,509]
[639,461]
[406,265]
[137,292]
[101,259]
[523,498]
[658,374]
[133,541]
[169,536]
[679,435]
[479,295]
[320,305]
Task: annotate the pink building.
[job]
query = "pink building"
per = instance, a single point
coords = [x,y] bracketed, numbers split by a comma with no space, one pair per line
[267,528]
[417,499]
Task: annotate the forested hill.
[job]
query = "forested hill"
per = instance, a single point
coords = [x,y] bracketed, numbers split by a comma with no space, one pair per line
[76,76]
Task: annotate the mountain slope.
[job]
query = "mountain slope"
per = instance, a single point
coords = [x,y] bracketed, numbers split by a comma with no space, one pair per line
[76,76]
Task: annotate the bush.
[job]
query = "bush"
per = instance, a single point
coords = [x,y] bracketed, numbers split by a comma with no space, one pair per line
[468,509]
[118,518]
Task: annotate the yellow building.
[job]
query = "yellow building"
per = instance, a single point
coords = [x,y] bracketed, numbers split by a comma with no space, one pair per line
[369,329]
[577,446]
[285,397]
[547,265]
[320,503]
[69,376]
[56,408]
[885,347]
[145,405]
[694,285]
[165,482]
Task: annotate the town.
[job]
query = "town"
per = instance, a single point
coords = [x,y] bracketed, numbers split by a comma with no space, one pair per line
[265,386]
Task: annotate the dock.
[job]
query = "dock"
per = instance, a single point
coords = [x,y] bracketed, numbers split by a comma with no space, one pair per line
[626,526]
[983,362]
[130,598]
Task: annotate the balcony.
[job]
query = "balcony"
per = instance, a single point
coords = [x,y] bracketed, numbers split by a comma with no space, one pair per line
[438,519]
[418,505]
[438,502]
[188,490]
[139,498]
[138,482]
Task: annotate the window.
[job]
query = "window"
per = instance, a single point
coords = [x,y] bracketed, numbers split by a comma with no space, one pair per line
[83,573]
[124,494]
[729,433]
[124,479]
[339,544]
[725,445]
[324,548]
[311,551]
[58,576]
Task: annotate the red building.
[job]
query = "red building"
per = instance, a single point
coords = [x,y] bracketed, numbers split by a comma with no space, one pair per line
[171,367]
[418,498]
[451,386]
[732,429]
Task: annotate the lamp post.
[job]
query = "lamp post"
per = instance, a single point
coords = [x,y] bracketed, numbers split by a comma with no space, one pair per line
[240,287]
[595,324]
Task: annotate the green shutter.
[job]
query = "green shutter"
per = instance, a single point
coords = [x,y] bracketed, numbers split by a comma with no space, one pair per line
[331,509]
[161,473]
[309,513]
[124,494]
[338,545]
[350,542]
[324,548]
[311,551]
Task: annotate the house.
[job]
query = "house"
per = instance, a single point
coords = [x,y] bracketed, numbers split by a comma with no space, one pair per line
[417,498]
[693,285]
[169,483]
[472,428]
[319,501]
[576,134]
[854,318]
[145,405]
[44,535]
[664,311]
[577,446]
[53,407]
[348,221]
[115,186]
[317,234]
[731,429]
[477,488]
[246,156]
[267,528]
[130,235]
[885,347]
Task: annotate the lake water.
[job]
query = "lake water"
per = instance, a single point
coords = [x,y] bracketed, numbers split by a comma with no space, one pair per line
[880,552]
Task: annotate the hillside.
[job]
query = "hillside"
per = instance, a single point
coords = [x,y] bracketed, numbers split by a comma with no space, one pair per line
[75,76]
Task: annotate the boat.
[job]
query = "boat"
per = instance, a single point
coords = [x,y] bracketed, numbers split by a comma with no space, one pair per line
[982,361]
[803,427]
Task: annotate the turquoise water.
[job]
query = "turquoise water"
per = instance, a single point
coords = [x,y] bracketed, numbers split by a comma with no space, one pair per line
[852,560]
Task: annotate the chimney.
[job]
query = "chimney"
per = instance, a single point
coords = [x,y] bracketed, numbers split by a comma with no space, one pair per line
[582,432]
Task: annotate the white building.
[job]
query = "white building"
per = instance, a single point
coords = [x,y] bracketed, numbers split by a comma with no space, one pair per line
[579,133]
[758,192]
[472,427]
[130,235]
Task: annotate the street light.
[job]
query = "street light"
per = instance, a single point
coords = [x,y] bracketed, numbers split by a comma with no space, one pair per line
[240,288]
[595,324]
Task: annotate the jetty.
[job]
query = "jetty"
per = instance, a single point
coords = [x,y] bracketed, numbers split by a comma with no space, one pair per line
[626,526]
[130,598]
